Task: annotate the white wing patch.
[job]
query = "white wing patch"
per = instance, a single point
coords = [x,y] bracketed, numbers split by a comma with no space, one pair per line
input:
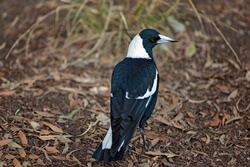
[150,93]
[121,146]
[107,142]
[136,49]
[148,101]
[127,95]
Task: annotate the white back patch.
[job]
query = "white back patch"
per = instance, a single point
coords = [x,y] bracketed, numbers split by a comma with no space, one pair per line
[107,142]
[150,93]
[136,49]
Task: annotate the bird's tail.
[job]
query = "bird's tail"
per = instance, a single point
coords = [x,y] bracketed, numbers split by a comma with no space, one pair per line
[105,153]
[106,156]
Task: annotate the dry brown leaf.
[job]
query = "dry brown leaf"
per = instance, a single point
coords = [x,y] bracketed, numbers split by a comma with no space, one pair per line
[45,138]
[223,88]
[16,163]
[196,101]
[5,141]
[33,156]
[39,161]
[45,114]
[57,157]
[73,102]
[7,93]
[53,127]
[232,95]
[178,117]
[190,114]
[175,99]
[164,121]
[154,136]
[45,132]
[63,139]
[216,120]
[35,125]
[204,139]
[14,128]
[22,138]
[154,142]
[103,118]
[22,153]
[1,154]
[3,163]
[66,148]
[169,155]
[9,156]
[51,149]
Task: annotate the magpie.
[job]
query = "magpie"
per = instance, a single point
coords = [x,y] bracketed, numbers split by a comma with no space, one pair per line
[134,91]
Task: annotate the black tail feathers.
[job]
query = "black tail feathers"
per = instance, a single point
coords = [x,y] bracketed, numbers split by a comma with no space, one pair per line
[106,156]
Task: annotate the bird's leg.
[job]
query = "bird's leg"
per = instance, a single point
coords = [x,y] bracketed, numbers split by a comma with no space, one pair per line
[145,146]
[130,149]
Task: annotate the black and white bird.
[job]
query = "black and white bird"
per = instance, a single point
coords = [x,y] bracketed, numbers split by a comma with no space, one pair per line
[134,91]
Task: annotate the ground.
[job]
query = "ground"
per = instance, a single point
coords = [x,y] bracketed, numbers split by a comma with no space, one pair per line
[54,95]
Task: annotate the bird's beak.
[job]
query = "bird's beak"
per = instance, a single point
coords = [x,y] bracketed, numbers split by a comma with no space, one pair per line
[165,39]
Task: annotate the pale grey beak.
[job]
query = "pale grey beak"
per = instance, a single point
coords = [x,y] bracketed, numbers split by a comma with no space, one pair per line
[165,39]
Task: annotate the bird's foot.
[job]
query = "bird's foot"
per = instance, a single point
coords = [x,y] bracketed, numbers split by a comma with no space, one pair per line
[144,149]
[130,149]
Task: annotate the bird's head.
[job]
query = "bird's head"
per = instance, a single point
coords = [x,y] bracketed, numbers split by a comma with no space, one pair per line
[143,43]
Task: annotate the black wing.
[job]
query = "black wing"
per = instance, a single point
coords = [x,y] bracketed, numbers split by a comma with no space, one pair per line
[128,104]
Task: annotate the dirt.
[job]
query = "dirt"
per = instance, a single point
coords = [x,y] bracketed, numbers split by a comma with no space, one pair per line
[201,118]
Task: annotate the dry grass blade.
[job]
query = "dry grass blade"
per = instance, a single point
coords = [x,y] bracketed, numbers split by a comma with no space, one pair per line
[90,125]
[197,13]
[34,26]
[225,40]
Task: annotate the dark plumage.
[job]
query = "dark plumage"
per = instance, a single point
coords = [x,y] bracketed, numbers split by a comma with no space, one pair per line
[134,90]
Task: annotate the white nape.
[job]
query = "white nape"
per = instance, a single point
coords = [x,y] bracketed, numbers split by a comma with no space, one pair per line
[121,146]
[136,49]
[111,95]
[107,142]
[150,93]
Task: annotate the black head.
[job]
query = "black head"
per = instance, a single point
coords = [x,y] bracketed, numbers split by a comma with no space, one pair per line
[142,44]
[151,38]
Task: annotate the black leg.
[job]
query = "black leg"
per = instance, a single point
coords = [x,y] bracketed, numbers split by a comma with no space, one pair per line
[145,146]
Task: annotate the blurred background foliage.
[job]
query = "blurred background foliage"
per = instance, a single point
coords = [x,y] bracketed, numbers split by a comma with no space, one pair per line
[109,26]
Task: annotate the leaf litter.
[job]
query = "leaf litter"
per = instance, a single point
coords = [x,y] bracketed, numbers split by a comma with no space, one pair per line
[42,89]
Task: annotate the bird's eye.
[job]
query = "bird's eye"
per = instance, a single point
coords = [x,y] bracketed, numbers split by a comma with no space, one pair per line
[152,39]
